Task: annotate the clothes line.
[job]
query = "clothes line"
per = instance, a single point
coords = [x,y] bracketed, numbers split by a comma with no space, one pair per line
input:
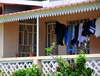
[76,32]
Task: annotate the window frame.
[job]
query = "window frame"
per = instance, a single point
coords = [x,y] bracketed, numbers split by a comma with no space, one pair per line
[33,32]
[47,42]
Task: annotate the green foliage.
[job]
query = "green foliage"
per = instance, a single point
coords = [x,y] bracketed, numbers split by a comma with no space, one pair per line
[65,68]
[80,61]
[58,74]
[31,50]
[78,68]
[28,72]
[49,50]
[2,73]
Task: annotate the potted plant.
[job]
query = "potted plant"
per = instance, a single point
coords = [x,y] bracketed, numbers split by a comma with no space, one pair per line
[31,52]
[16,54]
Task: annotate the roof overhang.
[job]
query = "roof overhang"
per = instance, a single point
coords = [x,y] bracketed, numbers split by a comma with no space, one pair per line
[14,4]
[51,11]
[21,2]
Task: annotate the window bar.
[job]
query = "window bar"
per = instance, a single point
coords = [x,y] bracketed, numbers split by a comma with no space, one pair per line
[33,36]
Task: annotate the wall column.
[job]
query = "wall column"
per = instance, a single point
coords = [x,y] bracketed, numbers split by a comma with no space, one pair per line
[37,48]
[1,39]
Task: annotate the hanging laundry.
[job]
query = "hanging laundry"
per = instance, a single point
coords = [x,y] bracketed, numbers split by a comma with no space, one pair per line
[66,36]
[80,37]
[86,27]
[70,48]
[59,31]
[97,31]
[75,40]
[92,26]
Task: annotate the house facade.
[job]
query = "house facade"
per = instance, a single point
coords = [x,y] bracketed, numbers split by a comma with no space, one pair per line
[25,26]
[35,27]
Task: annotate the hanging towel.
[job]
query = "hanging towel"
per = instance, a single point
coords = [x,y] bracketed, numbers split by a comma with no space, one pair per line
[97,31]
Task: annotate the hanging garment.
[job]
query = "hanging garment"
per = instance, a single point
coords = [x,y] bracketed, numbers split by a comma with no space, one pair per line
[66,36]
[75,40]
[86,27]
[70,48]
[92,26]
[59,31]
[80,37]
[97,31]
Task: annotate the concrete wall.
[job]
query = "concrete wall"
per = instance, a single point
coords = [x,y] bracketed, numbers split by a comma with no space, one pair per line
[94,42]
[94,45]
[1,39]
[11,39]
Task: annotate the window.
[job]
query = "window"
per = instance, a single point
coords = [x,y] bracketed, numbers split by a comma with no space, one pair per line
[51,36]
[27,37]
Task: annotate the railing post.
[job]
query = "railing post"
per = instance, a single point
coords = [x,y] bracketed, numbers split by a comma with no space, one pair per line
[37,61]
[40,64]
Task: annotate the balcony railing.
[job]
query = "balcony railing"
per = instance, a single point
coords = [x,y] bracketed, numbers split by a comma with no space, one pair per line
[46,63]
